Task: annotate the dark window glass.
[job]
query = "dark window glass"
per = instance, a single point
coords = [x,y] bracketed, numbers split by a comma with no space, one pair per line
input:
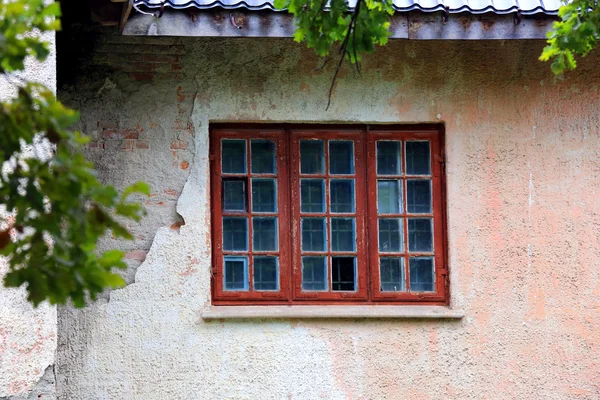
[343,274]
[233,158]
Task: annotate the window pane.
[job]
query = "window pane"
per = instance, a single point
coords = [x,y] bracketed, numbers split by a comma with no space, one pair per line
[388,158]
[417,158]
[266,273]
[420,235]
[312,157]
[342,195]
[313,234]
[343,274]
[389,196]
[418,196]
[235,234]
[234,195]
[235,276]
[421,274]
[264,195]
[233,157]
[391,233]
[314,273]
[341,157]
[264,234]
[391,271]
[263,157]
[312,195]
[342,234]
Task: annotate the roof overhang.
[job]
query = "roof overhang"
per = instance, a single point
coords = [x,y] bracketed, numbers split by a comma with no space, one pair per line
[415,25]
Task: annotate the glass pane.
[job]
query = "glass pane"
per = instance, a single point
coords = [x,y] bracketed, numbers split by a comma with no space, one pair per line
[264,234]
[421,274]
[342,195]
[417,158]
[391,234]
[418,196]
[313,234]
[235,234]
[420,235]
[388,158]
[266,273]
[233,156]
[264,195]
[342,234]
[389,196]
[343,274]
[312,195]
[341,157]
[234,195]
[312,157]
[391,271]
[263,157]
[314,273]
[235,276]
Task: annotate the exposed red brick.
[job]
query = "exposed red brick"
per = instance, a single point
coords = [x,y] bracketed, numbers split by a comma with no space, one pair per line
[185,165]
[179,145]
[177,225]
[157,58]
[142,77]
[142,144]
[135,67]
[128,145]
[120,134]
[138,255]
[95,144]
[107,125]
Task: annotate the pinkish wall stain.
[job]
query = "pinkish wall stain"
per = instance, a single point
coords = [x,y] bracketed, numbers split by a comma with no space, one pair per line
[523,224]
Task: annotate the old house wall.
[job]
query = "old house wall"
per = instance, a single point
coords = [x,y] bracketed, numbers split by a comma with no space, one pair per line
[27,334]
[523,172]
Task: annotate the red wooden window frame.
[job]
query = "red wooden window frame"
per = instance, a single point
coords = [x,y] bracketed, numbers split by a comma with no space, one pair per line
[287,140]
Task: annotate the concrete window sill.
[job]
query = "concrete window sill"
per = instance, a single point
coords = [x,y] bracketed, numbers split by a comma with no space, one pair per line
[331,312]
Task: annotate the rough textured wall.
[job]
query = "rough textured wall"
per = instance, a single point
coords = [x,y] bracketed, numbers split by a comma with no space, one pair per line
[27,335]
[523,165]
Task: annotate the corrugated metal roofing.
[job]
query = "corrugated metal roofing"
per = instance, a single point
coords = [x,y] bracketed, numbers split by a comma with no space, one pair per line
[527,7]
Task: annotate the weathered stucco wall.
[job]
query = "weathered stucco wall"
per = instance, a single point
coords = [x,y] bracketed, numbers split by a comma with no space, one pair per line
[523,165]
[27,335]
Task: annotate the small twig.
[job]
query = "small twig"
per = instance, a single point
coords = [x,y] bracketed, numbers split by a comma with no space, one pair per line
[344,50]
[325,61]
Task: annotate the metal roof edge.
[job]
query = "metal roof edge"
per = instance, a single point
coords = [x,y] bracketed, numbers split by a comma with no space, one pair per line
[414,7]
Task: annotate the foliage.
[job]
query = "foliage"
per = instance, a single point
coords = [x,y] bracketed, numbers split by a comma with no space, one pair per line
[58,208]
[356,33]
[576,33]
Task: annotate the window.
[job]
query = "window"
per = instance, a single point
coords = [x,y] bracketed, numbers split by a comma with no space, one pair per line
[328,215]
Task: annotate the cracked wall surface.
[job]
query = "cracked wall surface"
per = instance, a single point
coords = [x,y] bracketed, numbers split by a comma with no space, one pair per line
[27,335]
[523,172]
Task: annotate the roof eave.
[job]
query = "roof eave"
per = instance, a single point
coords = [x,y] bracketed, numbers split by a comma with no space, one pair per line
[415,25]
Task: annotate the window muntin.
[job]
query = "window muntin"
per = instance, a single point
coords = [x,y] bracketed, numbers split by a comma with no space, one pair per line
[328,216]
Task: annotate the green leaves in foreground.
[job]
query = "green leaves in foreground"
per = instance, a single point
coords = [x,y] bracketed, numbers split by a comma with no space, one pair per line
[355,32]
[576,33]
[58,209]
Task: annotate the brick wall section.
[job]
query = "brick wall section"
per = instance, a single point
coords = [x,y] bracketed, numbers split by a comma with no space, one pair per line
[143,59]
[107,79]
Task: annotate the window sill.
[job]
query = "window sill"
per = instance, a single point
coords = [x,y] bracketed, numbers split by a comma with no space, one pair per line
[331,312]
